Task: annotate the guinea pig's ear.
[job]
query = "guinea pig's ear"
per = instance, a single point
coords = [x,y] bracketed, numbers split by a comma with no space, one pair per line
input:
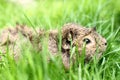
[66,40]
[69,33]
[93,29]
[69,36]
[70,30]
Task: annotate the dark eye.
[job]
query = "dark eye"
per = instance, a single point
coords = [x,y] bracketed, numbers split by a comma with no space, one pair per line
[86,40]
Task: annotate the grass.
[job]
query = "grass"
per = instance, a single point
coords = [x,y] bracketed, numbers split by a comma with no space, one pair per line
[52,14]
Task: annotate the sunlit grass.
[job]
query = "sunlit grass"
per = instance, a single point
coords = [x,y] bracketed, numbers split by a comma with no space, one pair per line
[53,14]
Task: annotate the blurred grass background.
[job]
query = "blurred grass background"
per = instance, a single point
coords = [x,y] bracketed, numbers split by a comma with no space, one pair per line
[52,14]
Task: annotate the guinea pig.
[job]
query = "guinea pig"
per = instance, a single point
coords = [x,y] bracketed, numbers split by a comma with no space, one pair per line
[72,35]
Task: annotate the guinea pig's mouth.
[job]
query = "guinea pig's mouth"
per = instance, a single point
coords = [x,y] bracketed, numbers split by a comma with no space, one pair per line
[97,55]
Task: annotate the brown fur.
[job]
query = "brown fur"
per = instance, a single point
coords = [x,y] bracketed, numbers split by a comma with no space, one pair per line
[72,35]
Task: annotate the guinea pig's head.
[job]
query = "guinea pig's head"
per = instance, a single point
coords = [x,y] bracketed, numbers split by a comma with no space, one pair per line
[75,35]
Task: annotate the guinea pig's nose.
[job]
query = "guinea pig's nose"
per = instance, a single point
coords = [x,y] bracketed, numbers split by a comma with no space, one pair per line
[106,44]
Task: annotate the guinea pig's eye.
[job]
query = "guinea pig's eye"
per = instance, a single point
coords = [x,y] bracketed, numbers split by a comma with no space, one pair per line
[86,40]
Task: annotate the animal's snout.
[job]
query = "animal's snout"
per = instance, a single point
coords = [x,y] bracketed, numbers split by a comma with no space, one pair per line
[106,44]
